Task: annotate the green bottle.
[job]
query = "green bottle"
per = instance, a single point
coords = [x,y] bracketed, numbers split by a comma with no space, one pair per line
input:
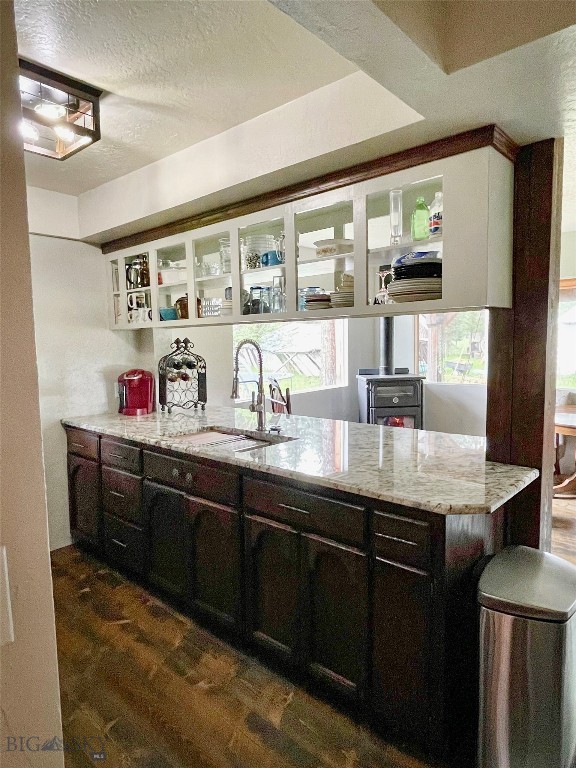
[419,220]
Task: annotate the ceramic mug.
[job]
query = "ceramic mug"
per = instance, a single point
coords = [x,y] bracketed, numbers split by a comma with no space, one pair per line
[270,259]
[136,300]
[145,315]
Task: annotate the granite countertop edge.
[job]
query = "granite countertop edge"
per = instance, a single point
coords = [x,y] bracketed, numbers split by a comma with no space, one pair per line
[501,482]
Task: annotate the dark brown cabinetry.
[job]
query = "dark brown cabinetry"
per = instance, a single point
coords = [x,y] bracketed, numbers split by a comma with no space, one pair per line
[121,456]
[125,544]
[402,651]
[211,483]
[170,541]
[125,534]
[404,697]
[273,601]
[307,603]
[336,610]
[122,495]
[371,600]
[215,561]
[84,499]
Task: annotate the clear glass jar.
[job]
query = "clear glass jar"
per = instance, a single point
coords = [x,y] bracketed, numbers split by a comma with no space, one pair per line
[259,299]
[225,257]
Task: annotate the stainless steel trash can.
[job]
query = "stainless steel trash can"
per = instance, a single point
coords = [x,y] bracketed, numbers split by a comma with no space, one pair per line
[527,661]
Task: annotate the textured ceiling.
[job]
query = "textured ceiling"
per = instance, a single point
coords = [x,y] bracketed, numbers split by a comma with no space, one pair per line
[530,91]
[456,34]
[180,71]
[174,73]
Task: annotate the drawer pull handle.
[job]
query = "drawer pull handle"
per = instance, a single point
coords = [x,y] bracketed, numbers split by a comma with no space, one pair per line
[395,538]
[77,445]
[117,456]
[175,472]
[120,543]
[115,493]
[188,477]
[294,509]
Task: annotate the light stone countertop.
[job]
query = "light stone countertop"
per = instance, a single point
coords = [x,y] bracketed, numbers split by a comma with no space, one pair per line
[442,473]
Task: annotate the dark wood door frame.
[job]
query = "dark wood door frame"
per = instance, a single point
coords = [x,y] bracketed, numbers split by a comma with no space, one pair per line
[522,343]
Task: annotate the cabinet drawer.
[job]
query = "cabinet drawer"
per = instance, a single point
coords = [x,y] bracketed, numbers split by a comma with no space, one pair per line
[126,457]
[197,479]
[82,443]
[318,514]
[398,538]
[125,544]
[122,495]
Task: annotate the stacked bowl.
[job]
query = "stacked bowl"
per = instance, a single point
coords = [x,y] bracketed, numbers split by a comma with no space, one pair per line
[416,276]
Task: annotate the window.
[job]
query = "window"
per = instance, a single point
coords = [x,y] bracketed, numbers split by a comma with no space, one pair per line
[453,347]
[566,362]
[301,356]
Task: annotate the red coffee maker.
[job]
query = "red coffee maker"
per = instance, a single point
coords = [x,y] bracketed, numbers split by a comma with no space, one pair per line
[136,392]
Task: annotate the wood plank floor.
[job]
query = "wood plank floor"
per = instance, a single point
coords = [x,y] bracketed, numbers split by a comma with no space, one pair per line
[564,528]
[158,691]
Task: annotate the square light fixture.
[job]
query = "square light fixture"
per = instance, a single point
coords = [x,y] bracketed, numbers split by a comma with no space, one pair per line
[60,115]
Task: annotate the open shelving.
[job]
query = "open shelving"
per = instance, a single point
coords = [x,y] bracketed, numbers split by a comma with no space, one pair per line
[222,287]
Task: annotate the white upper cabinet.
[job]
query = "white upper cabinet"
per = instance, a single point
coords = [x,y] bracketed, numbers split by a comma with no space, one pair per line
[329,255]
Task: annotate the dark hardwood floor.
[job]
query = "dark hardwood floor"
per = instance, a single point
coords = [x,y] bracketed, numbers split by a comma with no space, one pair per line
[564,528]
[158,691]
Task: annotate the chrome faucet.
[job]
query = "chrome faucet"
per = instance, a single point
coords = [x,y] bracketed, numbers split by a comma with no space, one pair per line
[258,403]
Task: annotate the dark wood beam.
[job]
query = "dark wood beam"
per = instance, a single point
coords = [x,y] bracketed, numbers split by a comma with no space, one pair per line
[522,343]
[487,136]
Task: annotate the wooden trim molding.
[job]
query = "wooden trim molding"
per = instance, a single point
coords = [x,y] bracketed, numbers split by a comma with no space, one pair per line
[522,344]
[487,136]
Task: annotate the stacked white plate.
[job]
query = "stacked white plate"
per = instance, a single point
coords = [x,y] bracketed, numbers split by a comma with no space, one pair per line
[415,289]
[347,283]
[226,307]
[342,299]
[417,276]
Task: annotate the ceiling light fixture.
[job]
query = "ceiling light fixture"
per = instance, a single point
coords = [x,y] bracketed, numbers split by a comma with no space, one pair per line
[61,115]
[50,111]
[64,133]
[28,131]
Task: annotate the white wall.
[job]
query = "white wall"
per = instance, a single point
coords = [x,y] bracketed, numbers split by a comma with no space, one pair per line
[352,109]
[52,213]
[456,408]
[78,357]
[568,255]
[214,344]
[29,692]
[404,342]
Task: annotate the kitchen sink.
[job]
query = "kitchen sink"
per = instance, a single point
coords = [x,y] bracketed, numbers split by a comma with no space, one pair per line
[236,440]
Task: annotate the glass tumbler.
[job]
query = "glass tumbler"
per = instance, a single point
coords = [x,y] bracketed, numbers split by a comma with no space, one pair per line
[395,216]
[224,243]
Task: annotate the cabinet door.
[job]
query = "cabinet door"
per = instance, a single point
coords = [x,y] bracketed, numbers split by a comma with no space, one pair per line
[336,580]
[165,510]
[273,590]
[84,498]
[401,650]
[215,560]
